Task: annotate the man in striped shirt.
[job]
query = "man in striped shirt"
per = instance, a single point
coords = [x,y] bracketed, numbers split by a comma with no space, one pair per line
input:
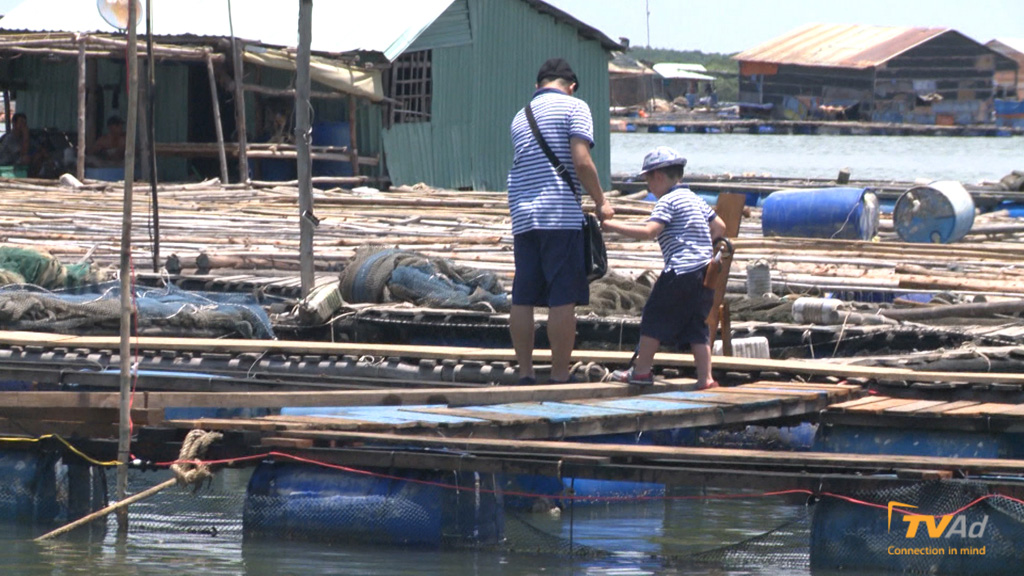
[547,217]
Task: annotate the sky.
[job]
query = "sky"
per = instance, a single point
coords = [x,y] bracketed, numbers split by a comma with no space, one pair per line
[735,25]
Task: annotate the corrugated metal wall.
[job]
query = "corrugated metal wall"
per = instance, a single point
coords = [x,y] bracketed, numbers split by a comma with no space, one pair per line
[478,88]
[51,100]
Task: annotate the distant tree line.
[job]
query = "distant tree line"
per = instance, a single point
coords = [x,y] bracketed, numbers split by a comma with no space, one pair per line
[721,66]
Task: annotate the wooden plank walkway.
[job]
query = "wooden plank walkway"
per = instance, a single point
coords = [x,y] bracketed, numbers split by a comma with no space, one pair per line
[963,415]
[656,409]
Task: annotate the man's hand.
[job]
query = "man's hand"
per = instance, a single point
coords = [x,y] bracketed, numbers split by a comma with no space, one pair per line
[604,211]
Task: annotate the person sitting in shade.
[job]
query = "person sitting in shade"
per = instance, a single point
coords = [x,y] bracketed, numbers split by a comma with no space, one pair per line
[14,148]
[108,150]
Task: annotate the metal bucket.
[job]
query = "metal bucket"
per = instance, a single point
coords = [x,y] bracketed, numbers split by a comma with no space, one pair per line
[939,213]
[808,310]
[759,279]
[842,213]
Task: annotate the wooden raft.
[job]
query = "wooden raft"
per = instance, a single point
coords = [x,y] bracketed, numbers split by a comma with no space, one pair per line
[961,415]
[657,410]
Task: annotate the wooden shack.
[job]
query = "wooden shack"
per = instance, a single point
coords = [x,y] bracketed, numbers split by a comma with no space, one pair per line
[1009,79]
[872,73]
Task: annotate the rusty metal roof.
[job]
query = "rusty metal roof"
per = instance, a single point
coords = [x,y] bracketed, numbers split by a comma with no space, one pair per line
[840,45]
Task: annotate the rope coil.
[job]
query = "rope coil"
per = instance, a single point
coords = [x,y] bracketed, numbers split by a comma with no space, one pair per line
[189,469]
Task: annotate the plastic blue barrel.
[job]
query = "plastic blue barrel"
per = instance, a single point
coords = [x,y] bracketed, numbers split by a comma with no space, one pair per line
[524,491]
[388,507]
[29,490]
[277,170]
[939,213]
[1013,209]
[840,213]
[331,134]
[108,174]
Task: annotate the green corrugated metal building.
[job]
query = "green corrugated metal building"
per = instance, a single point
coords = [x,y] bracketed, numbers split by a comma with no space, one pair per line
[484,56]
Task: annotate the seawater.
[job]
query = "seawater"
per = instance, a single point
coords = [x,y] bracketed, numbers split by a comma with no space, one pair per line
[178,532]
[969,160]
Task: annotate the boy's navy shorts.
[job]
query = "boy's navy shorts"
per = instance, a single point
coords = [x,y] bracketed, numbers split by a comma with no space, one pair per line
[549,269]
[676,312]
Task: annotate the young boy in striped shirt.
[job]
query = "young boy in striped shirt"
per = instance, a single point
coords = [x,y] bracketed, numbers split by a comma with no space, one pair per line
[678,307]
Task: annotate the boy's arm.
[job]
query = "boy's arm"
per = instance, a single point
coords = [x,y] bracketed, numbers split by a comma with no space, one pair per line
[645,231]
[718,228]
[586,171]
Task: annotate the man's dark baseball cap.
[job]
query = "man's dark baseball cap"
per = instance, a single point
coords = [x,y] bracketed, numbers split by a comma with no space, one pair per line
[557,68]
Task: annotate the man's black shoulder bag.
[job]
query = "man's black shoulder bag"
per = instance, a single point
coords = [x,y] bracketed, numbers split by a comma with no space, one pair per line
[595,258]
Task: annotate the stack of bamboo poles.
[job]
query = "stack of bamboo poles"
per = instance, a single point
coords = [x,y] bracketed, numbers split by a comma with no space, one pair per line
[234,229]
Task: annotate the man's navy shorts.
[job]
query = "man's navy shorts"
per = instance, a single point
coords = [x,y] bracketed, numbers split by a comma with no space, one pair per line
[676,312]
[549,269]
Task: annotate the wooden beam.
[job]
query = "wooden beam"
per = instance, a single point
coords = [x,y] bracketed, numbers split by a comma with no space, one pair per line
[811,367]
[696,456]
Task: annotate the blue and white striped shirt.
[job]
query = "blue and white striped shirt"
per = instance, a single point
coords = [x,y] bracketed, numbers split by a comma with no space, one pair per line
[538,198]
[686,240]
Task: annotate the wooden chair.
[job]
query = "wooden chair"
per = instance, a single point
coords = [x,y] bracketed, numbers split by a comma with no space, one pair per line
[730,209]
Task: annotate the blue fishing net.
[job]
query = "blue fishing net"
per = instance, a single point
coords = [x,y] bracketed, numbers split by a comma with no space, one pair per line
[169,311]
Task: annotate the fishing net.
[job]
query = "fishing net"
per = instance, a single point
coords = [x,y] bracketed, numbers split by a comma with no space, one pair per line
[617,295]
[761,309]
[983,537]
[21,265]
[96,309]
[376,274]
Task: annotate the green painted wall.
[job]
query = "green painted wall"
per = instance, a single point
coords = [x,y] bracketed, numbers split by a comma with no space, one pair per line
[479,87]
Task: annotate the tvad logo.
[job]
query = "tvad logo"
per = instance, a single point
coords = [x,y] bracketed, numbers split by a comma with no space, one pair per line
[941,526]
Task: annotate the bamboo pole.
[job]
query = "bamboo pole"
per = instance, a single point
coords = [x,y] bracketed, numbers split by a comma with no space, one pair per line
[80,146]
[240,127]
[974,310]
[151,123]
[218,127]
[291,93]
[352,134]
[120,506]
[7,110]
[307,221]
[124,426]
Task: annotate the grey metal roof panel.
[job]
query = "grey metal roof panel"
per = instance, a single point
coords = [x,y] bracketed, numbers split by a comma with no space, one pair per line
[1010,47]
[387,27]
[840,45]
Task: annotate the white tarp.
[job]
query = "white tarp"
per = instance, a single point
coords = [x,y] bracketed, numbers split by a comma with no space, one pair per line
[675,71]
[362,83]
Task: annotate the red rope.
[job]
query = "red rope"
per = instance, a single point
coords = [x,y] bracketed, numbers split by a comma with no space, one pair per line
[445,485]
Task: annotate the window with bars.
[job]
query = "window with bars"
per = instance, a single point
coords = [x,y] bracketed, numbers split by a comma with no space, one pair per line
[411,87]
